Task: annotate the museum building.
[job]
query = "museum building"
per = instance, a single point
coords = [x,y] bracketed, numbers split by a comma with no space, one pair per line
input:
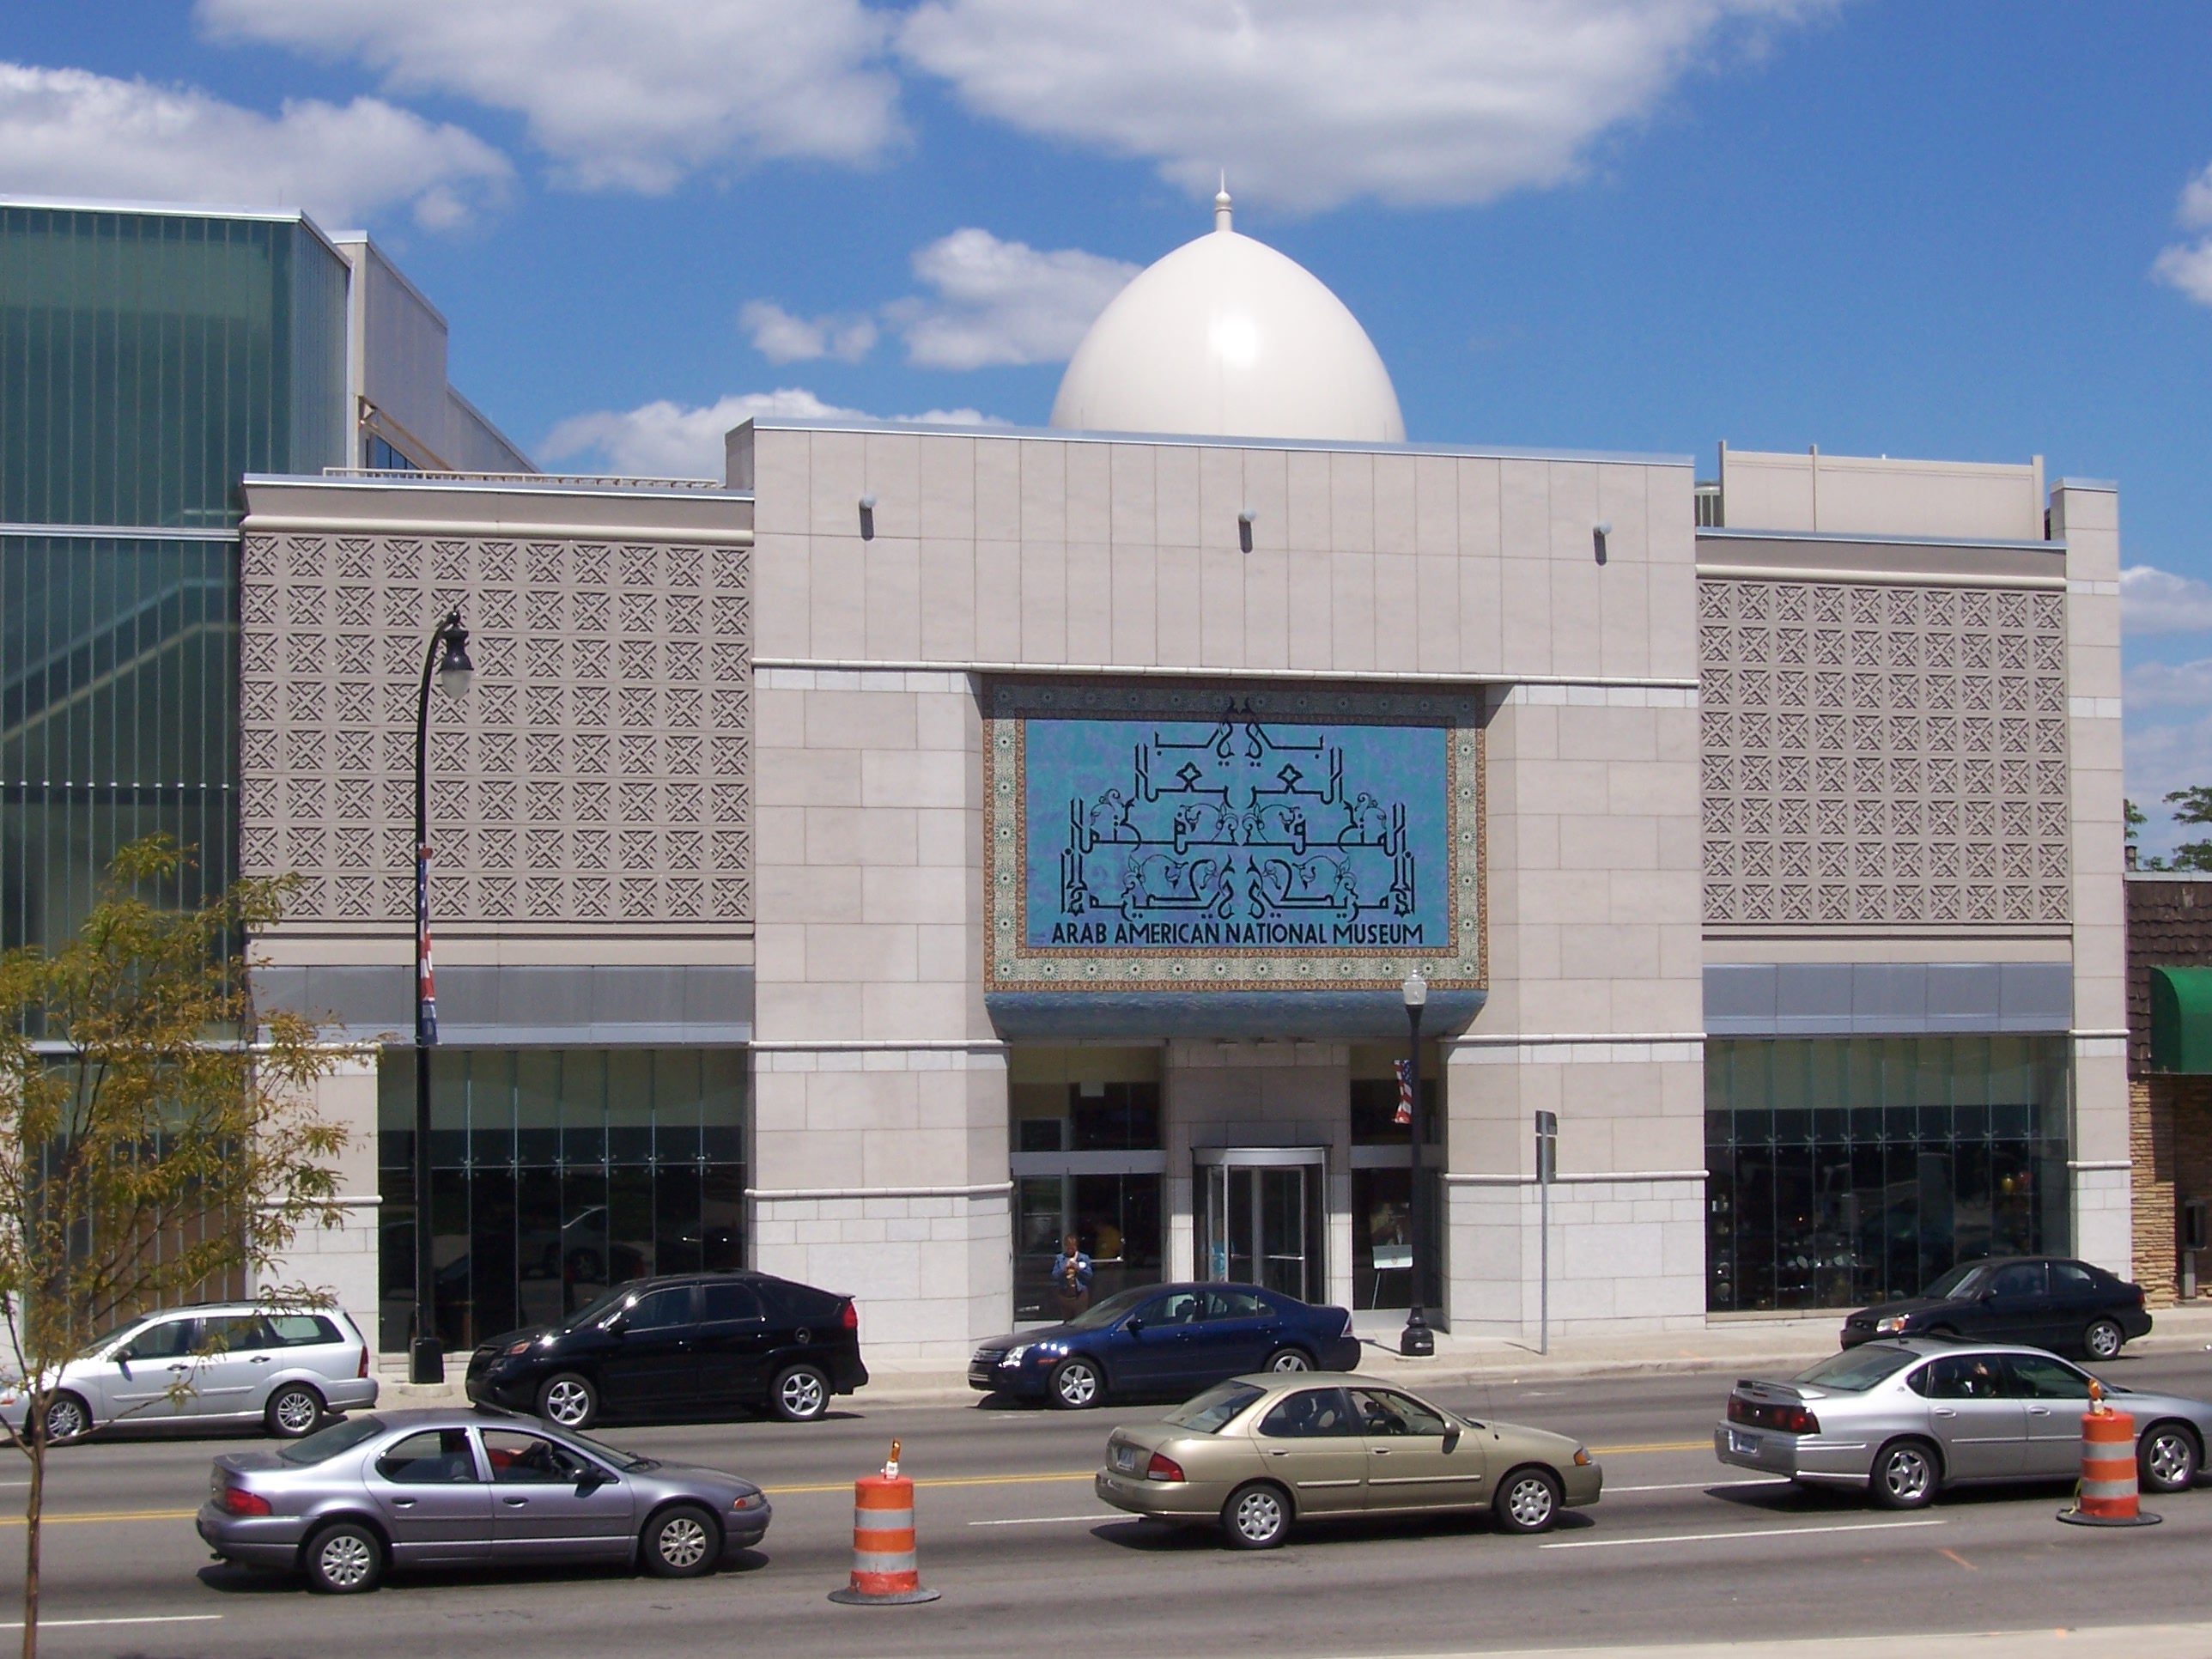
[925,841]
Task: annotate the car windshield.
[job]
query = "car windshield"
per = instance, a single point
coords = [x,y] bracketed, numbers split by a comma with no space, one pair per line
[326,1444]
[1857,1369]
[1957,1282]
[1100,1313]
[628,1462]
[592,1312]
[1207,1411]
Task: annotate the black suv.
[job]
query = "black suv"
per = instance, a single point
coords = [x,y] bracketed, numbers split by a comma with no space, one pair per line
[696,1345]
[2045,1302]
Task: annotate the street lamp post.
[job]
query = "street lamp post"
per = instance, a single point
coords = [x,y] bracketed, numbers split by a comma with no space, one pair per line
[1417,1338]
[448,654]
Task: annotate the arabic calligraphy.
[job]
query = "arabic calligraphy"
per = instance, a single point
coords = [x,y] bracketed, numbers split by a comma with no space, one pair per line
[1238,832]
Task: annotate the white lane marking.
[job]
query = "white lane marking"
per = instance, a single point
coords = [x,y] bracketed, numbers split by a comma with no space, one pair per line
[145,1618]
[1698,1485]
[1053,1520]
[1718,1537]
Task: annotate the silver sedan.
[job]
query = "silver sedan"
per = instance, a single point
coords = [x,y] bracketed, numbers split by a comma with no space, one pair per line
[1905,1418]
[468,1488]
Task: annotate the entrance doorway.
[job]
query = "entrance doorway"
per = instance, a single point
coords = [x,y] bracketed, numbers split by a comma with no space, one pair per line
[1260,1220]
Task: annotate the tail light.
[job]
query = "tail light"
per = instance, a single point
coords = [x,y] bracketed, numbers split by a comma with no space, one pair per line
[363,1371]
[1162,1468]
[850,1318]
[236,1500]
[1786,1419]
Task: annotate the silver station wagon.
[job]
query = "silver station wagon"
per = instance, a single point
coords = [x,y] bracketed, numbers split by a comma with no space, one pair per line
[469,1488]
[237,1363]
[1905,1418]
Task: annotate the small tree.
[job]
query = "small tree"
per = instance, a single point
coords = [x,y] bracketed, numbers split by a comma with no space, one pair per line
[2192,805]
[152,1142]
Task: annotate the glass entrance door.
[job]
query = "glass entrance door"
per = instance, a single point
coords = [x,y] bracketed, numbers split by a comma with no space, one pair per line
[1259,1221]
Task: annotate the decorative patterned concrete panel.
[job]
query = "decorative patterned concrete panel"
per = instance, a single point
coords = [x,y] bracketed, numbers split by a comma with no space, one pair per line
[597,773]
[1893,755]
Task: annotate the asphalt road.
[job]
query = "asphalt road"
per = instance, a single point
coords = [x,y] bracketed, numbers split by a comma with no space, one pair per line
[1682,1549]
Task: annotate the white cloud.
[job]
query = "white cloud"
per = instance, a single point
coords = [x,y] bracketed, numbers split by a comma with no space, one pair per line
[1311,102]
[666,440]
[68,131]
[2188,265]
[783,338]
[2161,759]
[628,95]
[2154,601]
[1003,302]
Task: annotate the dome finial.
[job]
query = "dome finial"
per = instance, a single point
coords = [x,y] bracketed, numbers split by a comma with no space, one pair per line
[1221,203]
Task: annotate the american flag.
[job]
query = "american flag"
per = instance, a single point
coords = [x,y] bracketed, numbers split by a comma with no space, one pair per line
[1405,1092]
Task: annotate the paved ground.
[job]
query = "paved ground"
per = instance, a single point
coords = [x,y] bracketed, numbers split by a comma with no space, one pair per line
[1681,1552]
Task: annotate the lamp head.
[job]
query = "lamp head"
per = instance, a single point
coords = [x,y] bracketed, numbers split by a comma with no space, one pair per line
[455,671]
[1415,990]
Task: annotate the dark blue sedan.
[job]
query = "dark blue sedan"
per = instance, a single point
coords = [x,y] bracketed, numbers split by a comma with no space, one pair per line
[1165,1340]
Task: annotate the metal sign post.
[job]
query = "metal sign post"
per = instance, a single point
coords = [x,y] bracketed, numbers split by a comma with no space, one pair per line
[1547,1167]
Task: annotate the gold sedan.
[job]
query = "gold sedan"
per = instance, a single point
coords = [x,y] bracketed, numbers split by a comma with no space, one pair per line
[1257,1453]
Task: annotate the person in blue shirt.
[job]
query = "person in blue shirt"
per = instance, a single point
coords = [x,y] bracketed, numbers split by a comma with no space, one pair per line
[1070,1279]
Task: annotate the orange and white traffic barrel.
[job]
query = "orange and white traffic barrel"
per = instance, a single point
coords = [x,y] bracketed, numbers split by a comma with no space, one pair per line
[2108,1492]
[884,1570]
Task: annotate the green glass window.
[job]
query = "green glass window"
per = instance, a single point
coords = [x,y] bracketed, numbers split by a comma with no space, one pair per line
[555,1174]
[1846,1171]
[148,361]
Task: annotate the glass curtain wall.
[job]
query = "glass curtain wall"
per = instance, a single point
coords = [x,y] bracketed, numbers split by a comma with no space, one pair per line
[555,1174]
[1087,1159]
[1849,1171]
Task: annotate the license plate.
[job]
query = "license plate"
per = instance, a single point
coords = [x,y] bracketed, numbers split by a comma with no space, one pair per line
[1124,1458]
[1746,1445]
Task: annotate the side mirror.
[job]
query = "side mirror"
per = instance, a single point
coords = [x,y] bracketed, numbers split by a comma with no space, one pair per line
[1451,1436]
[616,1324]
[1136,1325]
[590,1481]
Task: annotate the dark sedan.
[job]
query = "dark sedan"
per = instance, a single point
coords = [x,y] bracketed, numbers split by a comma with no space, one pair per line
[2045,1302]
[468,1489]
[1165,1341]
[697,1345]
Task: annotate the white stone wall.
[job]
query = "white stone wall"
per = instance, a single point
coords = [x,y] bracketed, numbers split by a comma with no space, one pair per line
[342,1262]
[1626,1255]
[2087,518]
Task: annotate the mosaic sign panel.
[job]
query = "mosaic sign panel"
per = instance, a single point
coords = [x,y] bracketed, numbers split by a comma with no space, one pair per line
[1273,837]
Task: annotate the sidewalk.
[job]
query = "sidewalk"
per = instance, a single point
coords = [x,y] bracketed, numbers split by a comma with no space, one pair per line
[1734,1346]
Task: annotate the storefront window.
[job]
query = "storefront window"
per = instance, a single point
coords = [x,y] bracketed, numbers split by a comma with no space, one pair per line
[1381,1179]
[1854,1170]
[555,1174]
[1087,1161]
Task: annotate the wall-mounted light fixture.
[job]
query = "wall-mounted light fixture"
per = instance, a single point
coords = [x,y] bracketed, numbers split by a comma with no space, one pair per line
[867,517]
[1244,527]
[1599,531]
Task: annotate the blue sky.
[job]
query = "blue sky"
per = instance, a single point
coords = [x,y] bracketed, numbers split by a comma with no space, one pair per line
[1611,224]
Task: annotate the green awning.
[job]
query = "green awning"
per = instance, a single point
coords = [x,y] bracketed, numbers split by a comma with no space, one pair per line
[2181,1019]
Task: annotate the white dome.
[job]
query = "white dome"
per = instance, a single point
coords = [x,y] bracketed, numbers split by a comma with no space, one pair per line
[1227,337]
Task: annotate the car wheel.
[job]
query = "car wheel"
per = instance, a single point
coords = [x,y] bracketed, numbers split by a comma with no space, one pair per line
[2167,1458]
[1289,1359]
[1528,1501]
[294,1410]
[1905,1476]
[1076,1385]
[1257,1516]
[2103,1340]
[345,1559]
[801,1395]
[568,1402]
[681,1542]
[68,1418]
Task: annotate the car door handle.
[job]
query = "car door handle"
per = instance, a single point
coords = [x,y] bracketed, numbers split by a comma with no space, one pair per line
[403,1502]
[516,1503]
[2038,1411]
[260,1359]
[1278,1451]
[1380,1452]
[1945,1411]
